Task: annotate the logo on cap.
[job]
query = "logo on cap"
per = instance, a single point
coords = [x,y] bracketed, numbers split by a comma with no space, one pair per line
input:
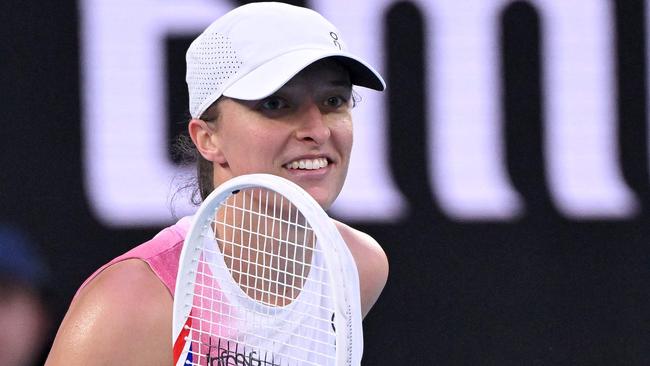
[335,39]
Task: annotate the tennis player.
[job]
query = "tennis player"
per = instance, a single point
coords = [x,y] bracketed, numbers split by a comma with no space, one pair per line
[270,89]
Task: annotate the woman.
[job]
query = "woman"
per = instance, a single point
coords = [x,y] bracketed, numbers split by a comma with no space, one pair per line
[270,89]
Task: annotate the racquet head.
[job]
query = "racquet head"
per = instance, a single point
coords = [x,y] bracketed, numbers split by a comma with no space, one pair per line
[265,279]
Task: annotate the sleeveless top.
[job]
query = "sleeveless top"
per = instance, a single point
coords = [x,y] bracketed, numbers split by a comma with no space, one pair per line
[161,253]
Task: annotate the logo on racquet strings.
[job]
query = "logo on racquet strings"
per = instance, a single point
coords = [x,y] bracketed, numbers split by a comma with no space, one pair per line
[230,354]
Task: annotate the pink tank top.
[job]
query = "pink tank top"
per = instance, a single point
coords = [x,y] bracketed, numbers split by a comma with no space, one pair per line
[161,253]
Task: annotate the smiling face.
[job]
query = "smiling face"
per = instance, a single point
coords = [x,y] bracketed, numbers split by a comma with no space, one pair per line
[302,132]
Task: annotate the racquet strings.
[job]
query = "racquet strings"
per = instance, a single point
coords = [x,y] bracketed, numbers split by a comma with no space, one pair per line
[261,295]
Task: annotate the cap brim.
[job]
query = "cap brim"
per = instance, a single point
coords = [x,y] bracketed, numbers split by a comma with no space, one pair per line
[267,78]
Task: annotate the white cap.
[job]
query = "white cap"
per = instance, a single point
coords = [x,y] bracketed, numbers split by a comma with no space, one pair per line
[253,50]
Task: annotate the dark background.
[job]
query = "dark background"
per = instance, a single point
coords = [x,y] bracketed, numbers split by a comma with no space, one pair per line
[541,290]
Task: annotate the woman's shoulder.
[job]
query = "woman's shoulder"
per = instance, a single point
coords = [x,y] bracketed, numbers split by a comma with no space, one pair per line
[130,283]
[362,243]
[371,261]
[123,310]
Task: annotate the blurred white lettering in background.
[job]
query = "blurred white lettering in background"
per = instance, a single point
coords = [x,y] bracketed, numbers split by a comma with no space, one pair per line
[129,178]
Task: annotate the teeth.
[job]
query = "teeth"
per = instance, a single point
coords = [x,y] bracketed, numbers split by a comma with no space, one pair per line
[307,164]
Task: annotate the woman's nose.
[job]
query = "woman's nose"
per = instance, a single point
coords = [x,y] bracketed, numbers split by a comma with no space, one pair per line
[313,124]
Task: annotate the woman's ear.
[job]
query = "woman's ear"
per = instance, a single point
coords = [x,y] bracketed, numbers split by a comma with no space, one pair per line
[206,140]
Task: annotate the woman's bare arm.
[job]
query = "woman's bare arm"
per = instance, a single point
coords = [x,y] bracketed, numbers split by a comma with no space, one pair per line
[122,317]
[371,261]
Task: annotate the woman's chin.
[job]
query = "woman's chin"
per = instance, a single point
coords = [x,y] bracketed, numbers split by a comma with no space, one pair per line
[321,195]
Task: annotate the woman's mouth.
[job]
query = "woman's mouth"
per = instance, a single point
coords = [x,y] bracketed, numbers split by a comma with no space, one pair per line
[307,164]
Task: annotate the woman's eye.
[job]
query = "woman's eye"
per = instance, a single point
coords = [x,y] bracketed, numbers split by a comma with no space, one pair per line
[335,102]
[273,104]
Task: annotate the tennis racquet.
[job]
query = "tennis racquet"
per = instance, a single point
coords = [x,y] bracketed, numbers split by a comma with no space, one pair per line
[265,279]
